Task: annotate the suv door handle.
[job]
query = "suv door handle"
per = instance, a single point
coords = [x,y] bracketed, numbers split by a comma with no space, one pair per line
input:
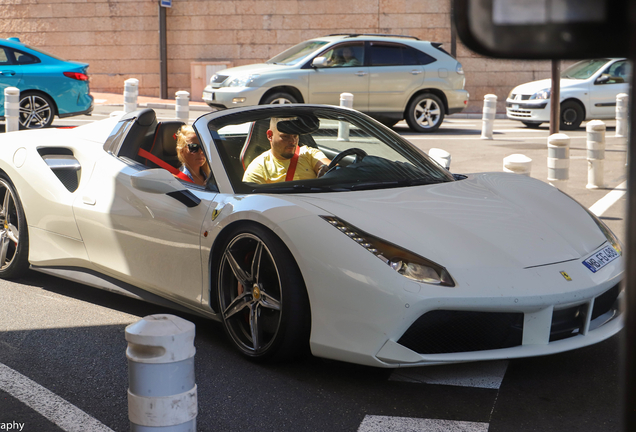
[361,73]
[416,72]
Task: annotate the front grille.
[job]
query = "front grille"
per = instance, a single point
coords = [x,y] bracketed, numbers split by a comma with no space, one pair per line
[605,301]
[444,331]
[519,112]
[523,97]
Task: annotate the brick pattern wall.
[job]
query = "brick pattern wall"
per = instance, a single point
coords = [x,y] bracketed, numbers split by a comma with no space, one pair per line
[119,38]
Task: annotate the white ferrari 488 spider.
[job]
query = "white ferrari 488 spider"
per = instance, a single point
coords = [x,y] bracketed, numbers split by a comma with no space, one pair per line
[386,260]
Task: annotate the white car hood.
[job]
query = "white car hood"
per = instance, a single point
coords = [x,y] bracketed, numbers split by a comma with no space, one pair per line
[486,220]
[534,86]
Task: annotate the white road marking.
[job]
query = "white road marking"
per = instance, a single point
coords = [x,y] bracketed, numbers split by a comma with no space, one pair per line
[406,424]
[57,410]
[601,206]
[480,374]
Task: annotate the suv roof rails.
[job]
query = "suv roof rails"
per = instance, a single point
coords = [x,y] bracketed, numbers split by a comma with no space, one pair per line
[374,34]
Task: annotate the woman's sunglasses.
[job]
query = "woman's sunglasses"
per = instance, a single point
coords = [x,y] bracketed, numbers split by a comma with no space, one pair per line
[193,148]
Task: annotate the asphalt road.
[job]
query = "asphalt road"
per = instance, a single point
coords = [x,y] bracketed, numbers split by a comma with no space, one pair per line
[63,364]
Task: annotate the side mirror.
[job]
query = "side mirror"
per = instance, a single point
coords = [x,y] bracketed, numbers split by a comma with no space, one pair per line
[442,157]
[603,79]
[160,181]
[319,62]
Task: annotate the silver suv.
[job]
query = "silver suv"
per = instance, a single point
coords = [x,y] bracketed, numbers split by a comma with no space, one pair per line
[391,77]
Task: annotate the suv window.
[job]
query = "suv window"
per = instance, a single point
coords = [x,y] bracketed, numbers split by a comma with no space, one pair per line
[345,55]
[396,55]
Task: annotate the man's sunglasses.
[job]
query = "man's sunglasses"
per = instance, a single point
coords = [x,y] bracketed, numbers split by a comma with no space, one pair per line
[193,148]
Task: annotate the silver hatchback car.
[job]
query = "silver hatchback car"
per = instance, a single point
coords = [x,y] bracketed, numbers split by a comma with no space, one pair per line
[391,78]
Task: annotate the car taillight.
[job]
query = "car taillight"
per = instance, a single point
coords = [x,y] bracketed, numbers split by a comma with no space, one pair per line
[77,75]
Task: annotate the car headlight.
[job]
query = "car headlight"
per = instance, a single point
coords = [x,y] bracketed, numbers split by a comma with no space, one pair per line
[541,94]
[401,260]
[609,235]
[241,81]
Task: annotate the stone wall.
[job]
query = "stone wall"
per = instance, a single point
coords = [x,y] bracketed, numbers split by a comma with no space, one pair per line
[119,38]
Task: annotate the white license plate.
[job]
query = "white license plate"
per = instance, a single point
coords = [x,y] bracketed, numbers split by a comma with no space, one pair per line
[515,106]
[601,258]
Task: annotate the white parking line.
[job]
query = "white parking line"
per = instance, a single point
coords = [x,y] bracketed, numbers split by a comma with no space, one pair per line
[481,375]
[404,424]
[601,206]
[66,416]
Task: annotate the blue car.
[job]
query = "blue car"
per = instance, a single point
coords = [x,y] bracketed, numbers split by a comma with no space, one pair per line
[48,85]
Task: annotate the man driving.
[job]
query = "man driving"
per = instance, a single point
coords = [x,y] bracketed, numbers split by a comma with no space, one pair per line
[286,160]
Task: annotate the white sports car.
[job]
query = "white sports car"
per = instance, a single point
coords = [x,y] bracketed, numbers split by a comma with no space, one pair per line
[387,260]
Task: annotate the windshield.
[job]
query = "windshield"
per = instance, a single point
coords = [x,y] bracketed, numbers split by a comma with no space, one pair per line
[363,153]
[296,53]
[584,69]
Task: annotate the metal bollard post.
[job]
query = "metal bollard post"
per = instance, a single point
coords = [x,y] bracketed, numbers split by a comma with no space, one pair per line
[595,154]
[162,394]
[131,91]
[558,160]
[182,106]
[440,156]
[517,164]
[346,100]
[488,116]
[621,115]
[11,109]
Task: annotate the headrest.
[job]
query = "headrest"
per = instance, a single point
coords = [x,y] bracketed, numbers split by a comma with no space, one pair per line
[301,125]
[168,137]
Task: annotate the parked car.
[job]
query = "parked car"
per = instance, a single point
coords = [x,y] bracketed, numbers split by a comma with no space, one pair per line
[387,260]
[48,85]
[391,77]
[588,91]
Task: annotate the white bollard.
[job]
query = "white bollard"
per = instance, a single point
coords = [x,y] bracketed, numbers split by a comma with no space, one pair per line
[162,394]
[182,106]
[488,116]
[440,156]
[558,160]
[595,154]
[131,92]
[346,100]
[11,109]
[621,115]
[517,164]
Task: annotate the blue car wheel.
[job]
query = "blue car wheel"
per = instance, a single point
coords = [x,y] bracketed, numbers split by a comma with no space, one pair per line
[36,110]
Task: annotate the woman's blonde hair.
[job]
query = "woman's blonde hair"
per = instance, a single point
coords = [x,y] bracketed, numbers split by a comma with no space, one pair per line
[182,142]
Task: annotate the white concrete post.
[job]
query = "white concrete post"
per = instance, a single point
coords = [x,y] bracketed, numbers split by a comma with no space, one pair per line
[346,100]
[11,109]
[162,394]
[517,164]
[558,160]
[595,154]
[488,116]
[182,106]
[621,115]
[440,156]
[131,92]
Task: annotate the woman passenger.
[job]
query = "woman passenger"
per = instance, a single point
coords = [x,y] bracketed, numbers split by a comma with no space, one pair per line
[190,153]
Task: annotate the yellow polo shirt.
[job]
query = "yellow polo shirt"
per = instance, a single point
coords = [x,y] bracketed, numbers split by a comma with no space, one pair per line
[265,168]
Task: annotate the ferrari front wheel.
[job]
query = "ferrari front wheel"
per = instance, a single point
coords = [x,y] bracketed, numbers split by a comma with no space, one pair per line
[262,296]
[14,238]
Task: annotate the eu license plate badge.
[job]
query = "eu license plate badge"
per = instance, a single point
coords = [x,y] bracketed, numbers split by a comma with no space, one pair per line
[601,258]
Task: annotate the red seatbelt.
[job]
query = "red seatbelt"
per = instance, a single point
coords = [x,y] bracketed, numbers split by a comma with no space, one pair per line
[292,165]
[163,164]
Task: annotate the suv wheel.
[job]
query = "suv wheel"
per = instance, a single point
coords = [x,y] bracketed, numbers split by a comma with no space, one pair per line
[425,113]
[279,98]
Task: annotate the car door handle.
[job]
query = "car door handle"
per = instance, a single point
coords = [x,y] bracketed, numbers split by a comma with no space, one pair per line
[416,72]
[8,72]
[361,73]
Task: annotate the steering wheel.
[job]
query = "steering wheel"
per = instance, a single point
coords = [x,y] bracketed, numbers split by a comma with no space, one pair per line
[360,154]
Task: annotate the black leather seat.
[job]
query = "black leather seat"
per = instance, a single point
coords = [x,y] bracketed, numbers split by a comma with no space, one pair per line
[164,144]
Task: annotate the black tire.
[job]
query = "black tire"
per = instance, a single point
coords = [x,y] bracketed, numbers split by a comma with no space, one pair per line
[14,235]
[36,110]
[262,296]
[279,98]
[571,115]
[532,125]
[389,123]
[425,113]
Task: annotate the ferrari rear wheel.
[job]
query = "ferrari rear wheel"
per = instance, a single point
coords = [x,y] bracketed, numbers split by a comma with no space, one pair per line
[14,238]
[262,296]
